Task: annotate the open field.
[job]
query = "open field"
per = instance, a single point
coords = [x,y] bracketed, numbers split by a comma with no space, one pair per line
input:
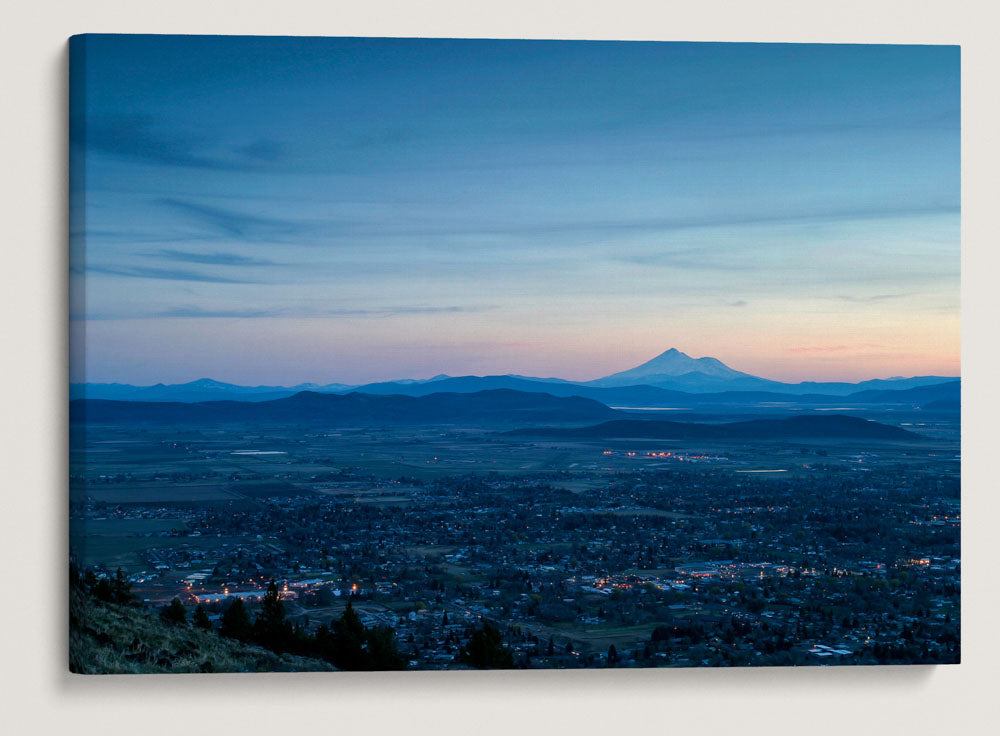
[164,493]
[201,466]
[119,551]
[133,527]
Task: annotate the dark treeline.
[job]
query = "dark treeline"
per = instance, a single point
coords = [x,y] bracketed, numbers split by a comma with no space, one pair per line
[346,642]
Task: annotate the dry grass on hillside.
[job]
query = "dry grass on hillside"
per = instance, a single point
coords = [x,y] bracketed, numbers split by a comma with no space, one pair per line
[110,639]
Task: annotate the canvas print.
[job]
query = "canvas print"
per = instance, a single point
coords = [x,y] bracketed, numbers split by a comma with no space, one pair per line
[423,354]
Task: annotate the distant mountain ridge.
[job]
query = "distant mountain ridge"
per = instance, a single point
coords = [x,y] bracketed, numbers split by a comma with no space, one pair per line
[941,397]
[677,371]
[204,389]
[672,371]
[645,395]
[670,364]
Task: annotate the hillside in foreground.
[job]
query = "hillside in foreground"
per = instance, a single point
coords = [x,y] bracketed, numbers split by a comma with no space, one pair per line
[107,638]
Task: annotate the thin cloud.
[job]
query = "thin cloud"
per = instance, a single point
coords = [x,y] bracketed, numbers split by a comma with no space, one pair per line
[136,137]
[194,313]
[820,349]
[686,259]
[596,228]
[166,274]
[198,313]
[235,224]
[212,259]
[870,299]
[833,348]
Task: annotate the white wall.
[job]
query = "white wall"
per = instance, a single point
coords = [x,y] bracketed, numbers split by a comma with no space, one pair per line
[37,691]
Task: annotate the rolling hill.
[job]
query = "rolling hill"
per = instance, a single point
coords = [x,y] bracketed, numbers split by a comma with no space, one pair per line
[501,406]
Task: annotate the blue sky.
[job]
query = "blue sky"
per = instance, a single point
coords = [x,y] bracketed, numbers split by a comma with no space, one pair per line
[277,210]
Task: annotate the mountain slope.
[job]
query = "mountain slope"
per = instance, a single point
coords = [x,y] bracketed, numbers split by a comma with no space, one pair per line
[677,371]
[670,364]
